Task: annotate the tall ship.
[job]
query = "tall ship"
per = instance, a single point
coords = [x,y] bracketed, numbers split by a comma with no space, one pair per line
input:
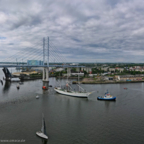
[69,91]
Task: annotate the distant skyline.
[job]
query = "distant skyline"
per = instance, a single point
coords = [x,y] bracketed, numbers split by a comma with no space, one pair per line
[84,31]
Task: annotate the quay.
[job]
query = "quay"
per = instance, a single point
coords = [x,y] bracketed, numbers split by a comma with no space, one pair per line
[107,82]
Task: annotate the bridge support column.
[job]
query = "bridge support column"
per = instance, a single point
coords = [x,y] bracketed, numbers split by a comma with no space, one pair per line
[43,74]
[46,77]
[68,71]
[46,74]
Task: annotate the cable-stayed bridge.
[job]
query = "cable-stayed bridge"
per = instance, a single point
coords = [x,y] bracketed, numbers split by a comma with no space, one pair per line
[45,66]
[46,51]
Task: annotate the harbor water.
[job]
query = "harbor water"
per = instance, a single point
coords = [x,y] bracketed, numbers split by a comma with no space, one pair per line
[71,120]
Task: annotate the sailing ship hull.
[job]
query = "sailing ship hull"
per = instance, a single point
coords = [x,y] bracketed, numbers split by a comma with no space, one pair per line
[42,135]
[72,93]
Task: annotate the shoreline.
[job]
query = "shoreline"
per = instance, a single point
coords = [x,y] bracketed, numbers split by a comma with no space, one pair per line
[120,82]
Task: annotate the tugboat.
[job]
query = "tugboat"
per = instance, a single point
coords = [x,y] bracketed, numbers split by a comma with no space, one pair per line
[107,97]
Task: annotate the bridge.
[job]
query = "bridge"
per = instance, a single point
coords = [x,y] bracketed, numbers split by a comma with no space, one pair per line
[45,66]
[46,53]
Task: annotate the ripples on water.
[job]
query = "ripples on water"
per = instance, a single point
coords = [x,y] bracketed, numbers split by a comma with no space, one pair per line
[72,120]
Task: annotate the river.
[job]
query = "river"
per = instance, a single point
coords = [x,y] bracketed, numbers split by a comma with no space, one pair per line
[71,120]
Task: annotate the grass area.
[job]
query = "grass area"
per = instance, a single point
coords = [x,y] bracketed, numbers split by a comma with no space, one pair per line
[95,79]
[36,75]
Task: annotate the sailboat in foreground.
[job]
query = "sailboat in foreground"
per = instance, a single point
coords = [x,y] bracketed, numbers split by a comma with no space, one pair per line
[42,133]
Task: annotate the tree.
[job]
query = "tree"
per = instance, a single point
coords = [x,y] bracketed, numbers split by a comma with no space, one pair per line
[85,73]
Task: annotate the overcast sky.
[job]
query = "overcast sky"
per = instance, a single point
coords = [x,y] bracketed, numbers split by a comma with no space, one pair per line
[82,30]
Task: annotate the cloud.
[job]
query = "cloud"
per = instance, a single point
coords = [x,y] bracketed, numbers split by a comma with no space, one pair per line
[87,31]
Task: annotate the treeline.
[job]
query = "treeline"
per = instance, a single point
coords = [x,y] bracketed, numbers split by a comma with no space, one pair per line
[95,71]
[131,72]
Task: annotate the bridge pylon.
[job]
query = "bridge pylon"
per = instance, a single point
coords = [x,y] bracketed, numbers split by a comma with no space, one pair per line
[46,69]
[46,74]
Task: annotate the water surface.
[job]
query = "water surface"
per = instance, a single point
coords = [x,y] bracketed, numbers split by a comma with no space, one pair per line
[71,120]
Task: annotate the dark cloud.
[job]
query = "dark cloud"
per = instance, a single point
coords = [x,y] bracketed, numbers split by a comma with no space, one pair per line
[75,39]
[105,30]
[11,44]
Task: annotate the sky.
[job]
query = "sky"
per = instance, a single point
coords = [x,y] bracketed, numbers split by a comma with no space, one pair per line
[79,30]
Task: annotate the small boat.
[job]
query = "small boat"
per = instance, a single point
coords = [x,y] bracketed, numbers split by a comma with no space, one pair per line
[18,86]
[20,83]
[13,79]
[42,133]
[37,97]
[125,88]
[107,97]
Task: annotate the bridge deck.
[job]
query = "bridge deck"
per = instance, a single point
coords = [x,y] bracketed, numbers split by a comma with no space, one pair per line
[65,66]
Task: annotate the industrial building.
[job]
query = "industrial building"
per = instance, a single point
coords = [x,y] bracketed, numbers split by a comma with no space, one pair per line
[129,77]
[34,62]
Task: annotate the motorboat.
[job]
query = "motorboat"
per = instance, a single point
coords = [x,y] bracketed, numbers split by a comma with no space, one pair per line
[107,97]
[42,133]
[37,97]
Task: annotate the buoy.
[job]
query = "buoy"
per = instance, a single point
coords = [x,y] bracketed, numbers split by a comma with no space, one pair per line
[44,87]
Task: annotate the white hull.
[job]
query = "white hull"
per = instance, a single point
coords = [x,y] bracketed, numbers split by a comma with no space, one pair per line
[37,97]
[42,135]
[72,93]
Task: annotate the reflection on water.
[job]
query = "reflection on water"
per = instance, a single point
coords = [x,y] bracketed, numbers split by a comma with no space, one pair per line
[6,87]
[44,141]
[108,103]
